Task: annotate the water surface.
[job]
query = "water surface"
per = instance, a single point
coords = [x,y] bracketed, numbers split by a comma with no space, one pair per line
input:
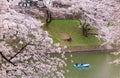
[99,61]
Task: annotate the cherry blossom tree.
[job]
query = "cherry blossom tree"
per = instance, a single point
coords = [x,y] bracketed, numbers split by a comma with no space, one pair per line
[50,9]
[25,48]
[104,17]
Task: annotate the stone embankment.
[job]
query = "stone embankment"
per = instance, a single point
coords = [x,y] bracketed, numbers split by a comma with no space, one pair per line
[88,49]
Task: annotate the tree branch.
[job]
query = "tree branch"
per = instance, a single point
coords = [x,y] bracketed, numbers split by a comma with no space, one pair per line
[21,50]
[7,59]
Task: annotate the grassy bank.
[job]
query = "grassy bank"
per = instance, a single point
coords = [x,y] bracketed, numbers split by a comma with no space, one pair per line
[71,27]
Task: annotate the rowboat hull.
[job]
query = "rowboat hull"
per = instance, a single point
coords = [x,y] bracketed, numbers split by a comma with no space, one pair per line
[82,66]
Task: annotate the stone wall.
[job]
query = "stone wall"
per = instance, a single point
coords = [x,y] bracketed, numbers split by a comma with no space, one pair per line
[87,49]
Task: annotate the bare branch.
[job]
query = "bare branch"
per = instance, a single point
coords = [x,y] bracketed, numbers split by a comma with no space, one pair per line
[20,51]
[7,59]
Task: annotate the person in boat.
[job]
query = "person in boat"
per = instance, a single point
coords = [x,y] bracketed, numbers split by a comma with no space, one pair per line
[81,63]
[76,64]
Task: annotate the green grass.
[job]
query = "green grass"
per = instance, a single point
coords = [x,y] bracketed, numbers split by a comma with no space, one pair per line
[70,27]
[55,40]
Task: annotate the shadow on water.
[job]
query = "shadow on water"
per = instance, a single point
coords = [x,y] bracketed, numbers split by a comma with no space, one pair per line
[99,61]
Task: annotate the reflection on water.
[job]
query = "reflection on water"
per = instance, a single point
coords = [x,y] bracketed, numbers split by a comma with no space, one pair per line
[100,67]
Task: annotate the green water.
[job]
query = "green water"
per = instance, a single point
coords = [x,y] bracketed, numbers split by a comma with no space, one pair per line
[99,61]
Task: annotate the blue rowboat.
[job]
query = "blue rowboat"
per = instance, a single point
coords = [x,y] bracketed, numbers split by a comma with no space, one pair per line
[82,66]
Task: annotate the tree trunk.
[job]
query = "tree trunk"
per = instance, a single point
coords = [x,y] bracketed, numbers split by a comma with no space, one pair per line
[48,18]
[85,29]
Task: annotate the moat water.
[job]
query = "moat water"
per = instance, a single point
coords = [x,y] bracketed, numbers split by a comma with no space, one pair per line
[99,65]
